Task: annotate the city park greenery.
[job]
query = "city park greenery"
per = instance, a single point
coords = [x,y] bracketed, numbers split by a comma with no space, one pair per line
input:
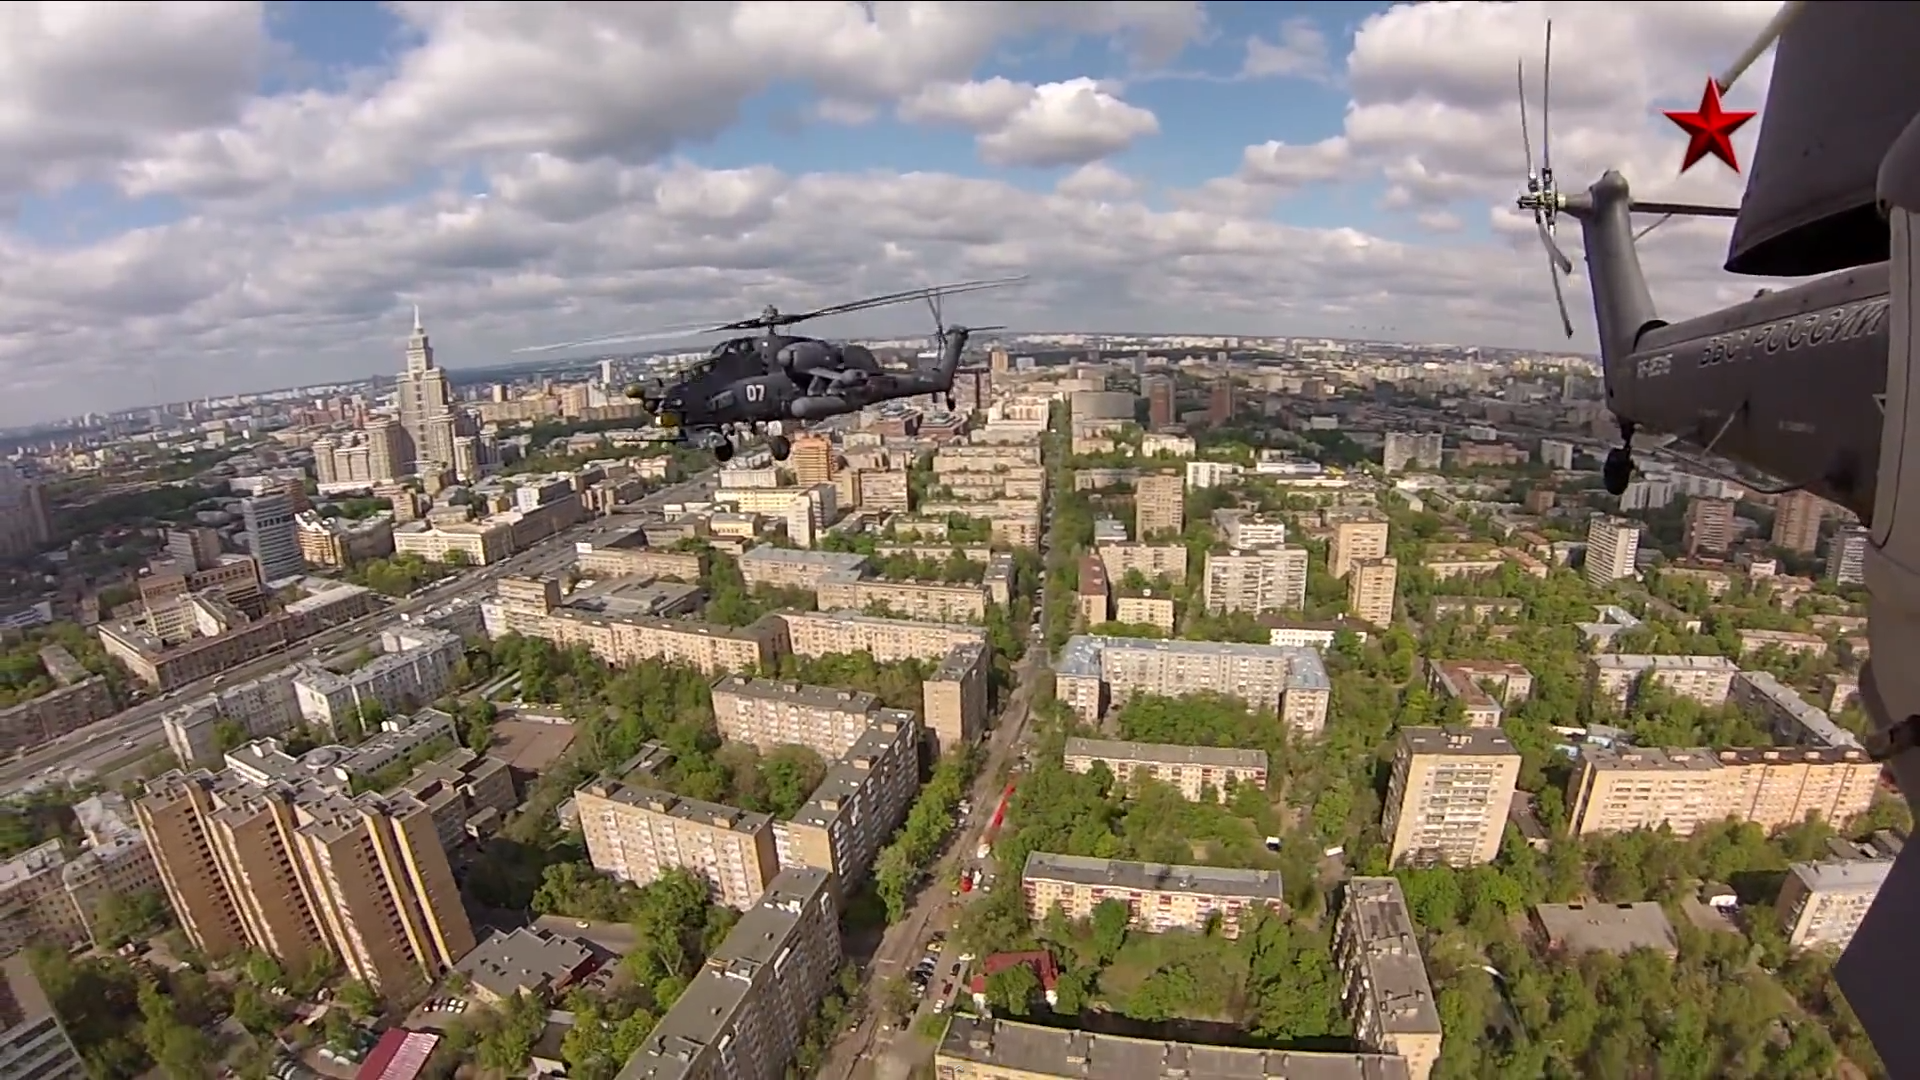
[402,574]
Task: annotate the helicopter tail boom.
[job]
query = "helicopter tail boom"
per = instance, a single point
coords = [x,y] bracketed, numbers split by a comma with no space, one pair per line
[1787,382]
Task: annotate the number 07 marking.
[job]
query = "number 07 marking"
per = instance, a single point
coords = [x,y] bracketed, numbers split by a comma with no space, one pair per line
[756,392]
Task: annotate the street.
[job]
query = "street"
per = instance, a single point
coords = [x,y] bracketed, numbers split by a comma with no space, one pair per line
[136,731]
[869,1051]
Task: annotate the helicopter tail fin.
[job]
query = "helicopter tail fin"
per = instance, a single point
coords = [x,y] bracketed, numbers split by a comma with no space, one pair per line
[953,343]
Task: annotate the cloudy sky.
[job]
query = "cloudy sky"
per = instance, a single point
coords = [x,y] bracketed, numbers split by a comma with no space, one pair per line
[210,197]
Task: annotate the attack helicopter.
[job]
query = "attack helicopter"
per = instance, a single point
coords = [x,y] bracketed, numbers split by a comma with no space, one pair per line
[1815,384]
[765,379]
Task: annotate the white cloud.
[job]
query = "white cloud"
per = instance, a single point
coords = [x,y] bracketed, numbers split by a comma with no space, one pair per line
[571,114]
[1061,123]
[1097,180]
[1301,53]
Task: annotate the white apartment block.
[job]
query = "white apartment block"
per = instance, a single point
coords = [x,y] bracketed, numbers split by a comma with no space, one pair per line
[1270,579]
[1093,674]
[1193,770]
[1705,679]
[1612,546]
[1158,897]
[1821,903]
[414,668]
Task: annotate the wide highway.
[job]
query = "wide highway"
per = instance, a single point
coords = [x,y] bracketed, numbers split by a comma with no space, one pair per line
[137,731]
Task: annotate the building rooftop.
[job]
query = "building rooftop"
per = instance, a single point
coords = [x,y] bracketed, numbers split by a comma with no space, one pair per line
[631,597]
[1814,722]
[1462,742]
[890,731]
[1083,656]
[1638,663]
[795,693]
[676,806]
[1651,759]
[1614,928]
[1843,875]
[879,622]
[524,960]
[1155,877]
[1026,1049]
[1167,753]
[1376,909]
[828,561]
[708,1006]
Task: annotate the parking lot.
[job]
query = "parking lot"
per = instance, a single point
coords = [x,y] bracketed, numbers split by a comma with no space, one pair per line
[937,978]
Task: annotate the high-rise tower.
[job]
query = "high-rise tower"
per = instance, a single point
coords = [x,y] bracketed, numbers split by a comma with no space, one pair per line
[434,439]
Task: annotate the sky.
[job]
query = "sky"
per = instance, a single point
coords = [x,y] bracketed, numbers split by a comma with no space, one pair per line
[206,198]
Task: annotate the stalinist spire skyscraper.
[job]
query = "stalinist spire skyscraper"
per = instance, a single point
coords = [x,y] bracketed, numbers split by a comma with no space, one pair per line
[434,441]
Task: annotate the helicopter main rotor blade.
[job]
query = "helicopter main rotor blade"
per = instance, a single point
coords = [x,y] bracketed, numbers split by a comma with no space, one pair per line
[906,296]
[621,337]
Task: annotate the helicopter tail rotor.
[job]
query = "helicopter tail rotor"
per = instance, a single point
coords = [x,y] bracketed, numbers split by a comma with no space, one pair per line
[1542,198]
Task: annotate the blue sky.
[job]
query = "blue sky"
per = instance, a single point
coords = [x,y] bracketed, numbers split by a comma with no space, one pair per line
[1207,117]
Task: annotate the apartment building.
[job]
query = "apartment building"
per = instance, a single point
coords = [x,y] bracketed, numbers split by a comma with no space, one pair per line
[261,707]
[1144,610]
[767,713]
[983,1048]
[1791,642]
[415,667]
[1616,790]
[1015,522]
[1709,527]
[1403,448]
[744,1014]
[1822,903]
[1153,561]
[1796,521]
[1386,992]
[622,639]
[885,490]
[1091,592]
[812,460]
[1193,770]
[1847,556]
[1159,505]
[480,543]
[931,601]
[1364,538]
[1246,530]
[45,895]
[860,802]
[1370,590]
[615,561]
[337,542]
[1093,674]
[1483,687]
[636,833]
[33,1044]
[78,699]
[955,699]
[1448,796]
[786,568]
[1705,679]
[1269,579]
[1790,717]
[291,867]
[234,640]
[965,459]
[1612,546]
[1158,897]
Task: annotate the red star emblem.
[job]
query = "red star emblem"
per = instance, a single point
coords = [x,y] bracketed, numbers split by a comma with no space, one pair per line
[1710,129]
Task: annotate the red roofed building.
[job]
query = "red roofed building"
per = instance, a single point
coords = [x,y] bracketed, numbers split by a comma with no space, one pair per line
[399,1055]
[1039,961]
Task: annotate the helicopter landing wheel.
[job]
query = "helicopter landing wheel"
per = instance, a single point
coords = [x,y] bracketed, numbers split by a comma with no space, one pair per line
[781,446]
[723,450]
[1617,472]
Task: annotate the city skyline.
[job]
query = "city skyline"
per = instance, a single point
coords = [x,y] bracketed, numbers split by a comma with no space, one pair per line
[1301,170]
